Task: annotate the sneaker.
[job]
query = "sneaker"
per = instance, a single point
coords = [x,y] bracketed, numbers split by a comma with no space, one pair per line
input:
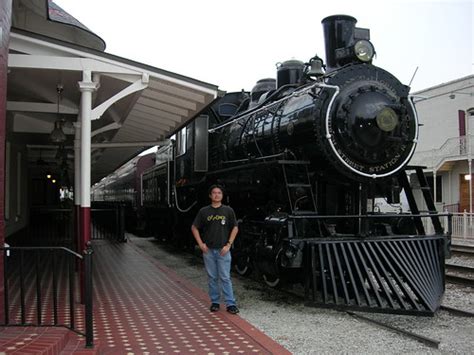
[214,307]
[232,309]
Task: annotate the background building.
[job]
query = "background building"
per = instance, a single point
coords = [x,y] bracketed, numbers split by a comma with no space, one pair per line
[446,142]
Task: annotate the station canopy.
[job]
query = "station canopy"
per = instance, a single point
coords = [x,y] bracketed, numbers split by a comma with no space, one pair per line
[134,105]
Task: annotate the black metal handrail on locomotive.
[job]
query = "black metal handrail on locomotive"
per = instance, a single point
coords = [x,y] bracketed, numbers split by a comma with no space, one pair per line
[380,216]
[447,233]
[32,273]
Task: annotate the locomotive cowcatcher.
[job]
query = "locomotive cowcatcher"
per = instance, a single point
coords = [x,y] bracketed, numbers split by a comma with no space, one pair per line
[302,159]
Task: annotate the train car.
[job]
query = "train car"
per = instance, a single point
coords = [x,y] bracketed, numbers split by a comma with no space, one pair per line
[303,159]
[125,187]
[157,188]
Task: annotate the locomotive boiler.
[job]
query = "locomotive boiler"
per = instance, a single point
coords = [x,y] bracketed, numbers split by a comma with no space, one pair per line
[302,159]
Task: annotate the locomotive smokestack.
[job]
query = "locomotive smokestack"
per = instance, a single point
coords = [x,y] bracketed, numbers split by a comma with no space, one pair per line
[338,33]
[346,43]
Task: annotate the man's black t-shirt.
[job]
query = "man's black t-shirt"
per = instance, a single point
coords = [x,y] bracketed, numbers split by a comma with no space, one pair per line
[215,225]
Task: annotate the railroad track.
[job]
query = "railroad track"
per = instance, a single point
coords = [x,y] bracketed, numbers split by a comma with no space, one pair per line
[432,343]
[457,311]
[462,250]
[460,280]
[461,274]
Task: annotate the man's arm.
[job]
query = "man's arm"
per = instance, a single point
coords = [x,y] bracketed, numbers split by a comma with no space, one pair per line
[199,241]
[232,236]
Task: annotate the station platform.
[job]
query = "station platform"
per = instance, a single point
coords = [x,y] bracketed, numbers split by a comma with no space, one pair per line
[143,307]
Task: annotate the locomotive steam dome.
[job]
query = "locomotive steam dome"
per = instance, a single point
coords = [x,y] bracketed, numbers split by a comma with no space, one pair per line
[289,72]
[262,86]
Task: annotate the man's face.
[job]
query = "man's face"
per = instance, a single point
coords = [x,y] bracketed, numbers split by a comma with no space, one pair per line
[216,195]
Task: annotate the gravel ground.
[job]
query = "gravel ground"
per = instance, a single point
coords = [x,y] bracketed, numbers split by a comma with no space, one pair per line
[306,330]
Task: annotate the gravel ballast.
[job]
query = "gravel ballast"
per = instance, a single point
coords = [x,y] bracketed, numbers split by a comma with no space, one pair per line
[307,330]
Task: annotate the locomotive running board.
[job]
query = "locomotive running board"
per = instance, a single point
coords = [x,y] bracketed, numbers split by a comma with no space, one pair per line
[402,275]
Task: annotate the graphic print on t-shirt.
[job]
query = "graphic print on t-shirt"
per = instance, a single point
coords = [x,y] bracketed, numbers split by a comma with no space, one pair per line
[216,218]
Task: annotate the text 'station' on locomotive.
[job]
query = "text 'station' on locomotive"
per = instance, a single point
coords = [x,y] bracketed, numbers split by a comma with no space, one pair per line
[303,159]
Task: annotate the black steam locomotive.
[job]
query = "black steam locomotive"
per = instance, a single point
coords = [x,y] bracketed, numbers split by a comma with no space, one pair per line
[302,159]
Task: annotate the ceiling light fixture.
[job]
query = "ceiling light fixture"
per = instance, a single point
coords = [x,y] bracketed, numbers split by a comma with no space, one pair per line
[57,135]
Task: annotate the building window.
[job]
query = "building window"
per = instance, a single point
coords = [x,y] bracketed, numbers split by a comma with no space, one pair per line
[439,189]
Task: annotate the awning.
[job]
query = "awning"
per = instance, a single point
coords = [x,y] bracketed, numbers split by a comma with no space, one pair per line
[135,105]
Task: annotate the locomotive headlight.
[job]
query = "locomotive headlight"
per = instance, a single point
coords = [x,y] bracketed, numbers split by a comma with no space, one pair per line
[364,50]
[387,119]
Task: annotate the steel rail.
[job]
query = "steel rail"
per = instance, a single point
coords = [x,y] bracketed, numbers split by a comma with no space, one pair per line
[456,311]
[459,274]
[462,250]
[459,280]
[460,268]
[433,343]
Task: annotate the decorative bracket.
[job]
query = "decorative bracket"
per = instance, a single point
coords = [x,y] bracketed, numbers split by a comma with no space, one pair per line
[138,85]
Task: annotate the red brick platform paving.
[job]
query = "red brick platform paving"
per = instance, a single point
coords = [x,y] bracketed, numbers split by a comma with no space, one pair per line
[42,340]
[22,339]
[142,307]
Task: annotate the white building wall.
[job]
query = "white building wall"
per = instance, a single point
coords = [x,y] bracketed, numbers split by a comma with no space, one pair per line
[450,186]
[437,109]
[439,113]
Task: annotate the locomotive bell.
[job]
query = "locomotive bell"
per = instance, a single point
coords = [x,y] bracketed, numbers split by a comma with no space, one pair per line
[316,66]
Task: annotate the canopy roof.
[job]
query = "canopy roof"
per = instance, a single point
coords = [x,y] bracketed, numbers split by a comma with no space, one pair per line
[135,105]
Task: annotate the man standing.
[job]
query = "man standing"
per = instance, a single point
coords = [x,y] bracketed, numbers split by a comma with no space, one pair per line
[218,225]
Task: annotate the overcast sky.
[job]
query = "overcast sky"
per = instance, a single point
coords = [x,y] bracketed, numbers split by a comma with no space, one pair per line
[232,44]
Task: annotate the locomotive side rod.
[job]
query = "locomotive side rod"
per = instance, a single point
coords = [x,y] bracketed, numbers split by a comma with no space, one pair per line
[432,343]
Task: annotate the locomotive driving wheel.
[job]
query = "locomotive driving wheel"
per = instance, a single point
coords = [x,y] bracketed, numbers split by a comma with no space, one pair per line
[243,265]
[272,280]
[272,274]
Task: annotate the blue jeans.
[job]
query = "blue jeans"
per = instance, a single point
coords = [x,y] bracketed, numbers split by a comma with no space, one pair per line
[218,269]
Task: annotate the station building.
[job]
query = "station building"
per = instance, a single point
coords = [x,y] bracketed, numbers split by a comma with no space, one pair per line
[71,114]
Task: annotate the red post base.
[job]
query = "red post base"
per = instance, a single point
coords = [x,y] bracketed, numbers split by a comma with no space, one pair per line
[84,228]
